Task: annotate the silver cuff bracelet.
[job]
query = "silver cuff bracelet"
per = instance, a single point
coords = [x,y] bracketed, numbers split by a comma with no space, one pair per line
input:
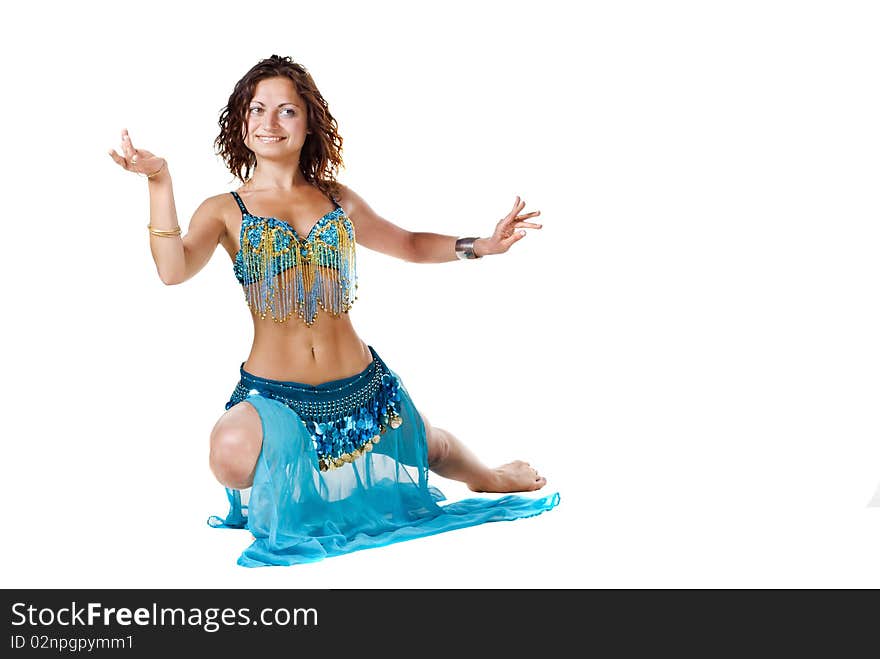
[464,248]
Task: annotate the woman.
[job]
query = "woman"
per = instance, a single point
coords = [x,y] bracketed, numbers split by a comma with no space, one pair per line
[321,449]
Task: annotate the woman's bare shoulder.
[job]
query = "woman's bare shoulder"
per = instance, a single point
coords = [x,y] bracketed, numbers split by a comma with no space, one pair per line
[222,205]
[220,199]
[348,199]
[219,210]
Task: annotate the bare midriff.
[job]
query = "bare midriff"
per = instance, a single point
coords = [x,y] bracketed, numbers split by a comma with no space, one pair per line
[327,350]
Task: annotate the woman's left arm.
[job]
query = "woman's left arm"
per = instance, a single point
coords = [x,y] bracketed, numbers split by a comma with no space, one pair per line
[377,233]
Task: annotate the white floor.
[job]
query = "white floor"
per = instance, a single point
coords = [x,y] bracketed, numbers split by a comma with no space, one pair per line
[609,531]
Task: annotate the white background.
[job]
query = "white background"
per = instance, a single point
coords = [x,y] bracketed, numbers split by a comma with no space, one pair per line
[688,348]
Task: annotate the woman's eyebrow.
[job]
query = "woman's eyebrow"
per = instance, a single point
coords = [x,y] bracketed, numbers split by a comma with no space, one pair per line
[280,104]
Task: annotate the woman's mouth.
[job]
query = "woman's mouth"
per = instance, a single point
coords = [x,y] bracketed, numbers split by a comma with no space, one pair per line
[269,140]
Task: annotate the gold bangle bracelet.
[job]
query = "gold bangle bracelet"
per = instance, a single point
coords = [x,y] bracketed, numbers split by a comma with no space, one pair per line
[164,232]
[164,162]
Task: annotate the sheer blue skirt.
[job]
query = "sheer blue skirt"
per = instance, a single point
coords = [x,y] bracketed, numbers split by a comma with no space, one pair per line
[343,467]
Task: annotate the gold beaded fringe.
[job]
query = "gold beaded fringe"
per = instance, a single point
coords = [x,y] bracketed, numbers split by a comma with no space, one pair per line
[307,272]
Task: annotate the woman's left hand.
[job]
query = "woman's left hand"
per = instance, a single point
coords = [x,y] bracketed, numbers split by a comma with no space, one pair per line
[505,232]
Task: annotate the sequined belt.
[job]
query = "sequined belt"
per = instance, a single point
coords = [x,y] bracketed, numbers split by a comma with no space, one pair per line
[344,417]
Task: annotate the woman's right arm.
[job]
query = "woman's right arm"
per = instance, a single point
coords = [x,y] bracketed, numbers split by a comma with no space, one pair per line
[178,258]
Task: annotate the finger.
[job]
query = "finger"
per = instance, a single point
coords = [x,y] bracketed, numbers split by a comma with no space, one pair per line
[517,208]
[517,235]
[127,146]
[119,160]
[514,216]
[528,225]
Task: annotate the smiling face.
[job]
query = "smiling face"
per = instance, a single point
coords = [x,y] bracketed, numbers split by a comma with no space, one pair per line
[276,120]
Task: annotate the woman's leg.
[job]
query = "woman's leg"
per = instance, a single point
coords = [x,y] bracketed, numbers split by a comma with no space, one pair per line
[450,458]
[236,440]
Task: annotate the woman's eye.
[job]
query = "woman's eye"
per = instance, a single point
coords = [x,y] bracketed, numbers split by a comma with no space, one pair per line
[285,110]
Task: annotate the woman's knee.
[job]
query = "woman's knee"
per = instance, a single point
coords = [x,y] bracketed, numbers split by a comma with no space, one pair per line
[236,440]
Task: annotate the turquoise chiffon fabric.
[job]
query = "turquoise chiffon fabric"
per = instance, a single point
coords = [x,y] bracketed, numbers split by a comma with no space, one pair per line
[298,513]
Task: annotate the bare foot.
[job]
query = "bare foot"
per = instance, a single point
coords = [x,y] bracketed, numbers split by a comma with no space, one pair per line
[516,476]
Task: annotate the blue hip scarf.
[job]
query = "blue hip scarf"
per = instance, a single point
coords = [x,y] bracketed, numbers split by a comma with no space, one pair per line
[344,417]
[343,467]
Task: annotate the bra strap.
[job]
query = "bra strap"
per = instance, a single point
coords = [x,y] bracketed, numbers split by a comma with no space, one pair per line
[244,211]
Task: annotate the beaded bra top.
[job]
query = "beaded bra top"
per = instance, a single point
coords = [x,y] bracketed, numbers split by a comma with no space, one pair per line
[283,274]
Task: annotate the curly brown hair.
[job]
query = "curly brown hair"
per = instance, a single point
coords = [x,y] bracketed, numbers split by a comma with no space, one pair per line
[321,154]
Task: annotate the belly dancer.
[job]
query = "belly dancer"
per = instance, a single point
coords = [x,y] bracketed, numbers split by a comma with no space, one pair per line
[320,448]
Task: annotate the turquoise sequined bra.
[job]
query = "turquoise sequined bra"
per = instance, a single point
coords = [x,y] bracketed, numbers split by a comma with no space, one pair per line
[283,274]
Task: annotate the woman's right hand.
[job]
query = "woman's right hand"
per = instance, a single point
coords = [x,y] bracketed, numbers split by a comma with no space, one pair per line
[139,161]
